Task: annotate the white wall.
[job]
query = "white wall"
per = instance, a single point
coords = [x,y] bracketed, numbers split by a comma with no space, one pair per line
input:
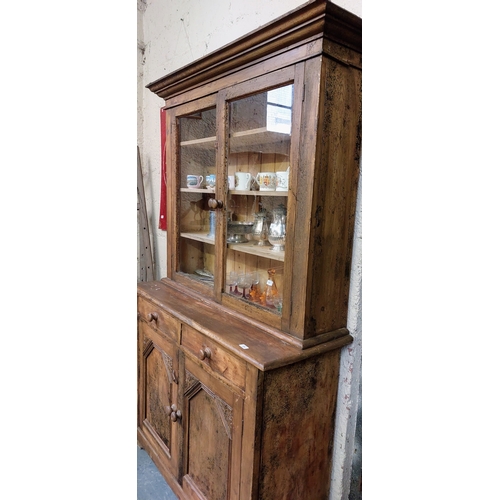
[171,34]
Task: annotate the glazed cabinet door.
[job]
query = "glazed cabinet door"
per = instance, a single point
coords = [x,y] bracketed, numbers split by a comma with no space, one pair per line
[192,221]
[158,382]
[233,157]
[212,420]
[260,127]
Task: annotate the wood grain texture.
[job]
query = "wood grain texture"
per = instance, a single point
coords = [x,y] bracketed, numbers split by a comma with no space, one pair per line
[249,416]
[236,401]
[324,158]
[157,390]
[297,429]
[266,350]
[287,57]
[219,360]
[212,447]
[301,184]
[334,199]
[156,317]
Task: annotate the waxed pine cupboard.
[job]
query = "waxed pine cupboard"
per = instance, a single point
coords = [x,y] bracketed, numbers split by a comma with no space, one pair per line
[239,345]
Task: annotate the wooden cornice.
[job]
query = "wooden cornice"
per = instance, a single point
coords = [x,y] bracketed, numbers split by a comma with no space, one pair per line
[318,18]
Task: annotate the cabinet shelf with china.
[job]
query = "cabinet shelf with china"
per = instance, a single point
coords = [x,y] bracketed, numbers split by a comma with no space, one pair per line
[236,192]
[257,273]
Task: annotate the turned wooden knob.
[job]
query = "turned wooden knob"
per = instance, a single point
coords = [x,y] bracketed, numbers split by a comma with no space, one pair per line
[205,353]
[213,203]
[175,415]
[152,317]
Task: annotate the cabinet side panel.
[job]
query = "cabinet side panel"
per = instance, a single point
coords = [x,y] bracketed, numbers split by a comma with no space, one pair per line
[297,429]
[334,201]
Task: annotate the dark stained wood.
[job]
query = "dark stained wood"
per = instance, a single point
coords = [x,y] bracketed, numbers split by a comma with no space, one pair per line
[297,429]
[171,161]
[232,401]
[157,384]
[323,184]
[236,401]
[287,57]
[301,184]
[218,360]
[212,419]
[294,207]
[157,318]
[265,351]
[335,190]
[252,432]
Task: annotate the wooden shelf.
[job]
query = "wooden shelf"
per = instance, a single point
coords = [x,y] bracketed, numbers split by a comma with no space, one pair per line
[249,248]
[261,251]
[203,143]
[258,193]
[236,192]
[199,236]
[259,139]
[197,190]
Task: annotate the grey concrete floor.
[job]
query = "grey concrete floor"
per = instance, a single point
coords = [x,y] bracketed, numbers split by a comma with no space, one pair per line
[150,483]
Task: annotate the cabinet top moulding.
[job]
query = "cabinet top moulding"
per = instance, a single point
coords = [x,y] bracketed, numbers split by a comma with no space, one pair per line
[316,19]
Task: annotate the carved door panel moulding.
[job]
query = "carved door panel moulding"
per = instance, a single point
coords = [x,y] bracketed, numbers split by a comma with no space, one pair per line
[193,386]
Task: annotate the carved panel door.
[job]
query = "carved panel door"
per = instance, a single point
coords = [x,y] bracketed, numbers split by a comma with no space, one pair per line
[158,395]
[212,418]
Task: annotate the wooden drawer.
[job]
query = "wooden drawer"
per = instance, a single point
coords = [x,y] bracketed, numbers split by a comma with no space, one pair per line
[214,356]
[158,318]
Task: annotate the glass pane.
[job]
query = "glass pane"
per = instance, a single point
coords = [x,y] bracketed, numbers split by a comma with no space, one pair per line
[258,170]
[197,171]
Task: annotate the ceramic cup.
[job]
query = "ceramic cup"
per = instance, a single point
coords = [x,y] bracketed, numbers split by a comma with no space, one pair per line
[282,181]
[210,181]
[242,181]
[230,182]
[194,181]
[267,181]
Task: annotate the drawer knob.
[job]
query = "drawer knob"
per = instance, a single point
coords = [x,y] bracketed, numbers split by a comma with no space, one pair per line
[205,353]
[152,317]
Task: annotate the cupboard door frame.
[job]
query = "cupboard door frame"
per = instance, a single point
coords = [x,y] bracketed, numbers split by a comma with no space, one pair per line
[293,74]
[173,188]
[151,340]
[230,404]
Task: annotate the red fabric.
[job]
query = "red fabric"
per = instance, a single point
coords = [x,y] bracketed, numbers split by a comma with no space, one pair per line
[163,183]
